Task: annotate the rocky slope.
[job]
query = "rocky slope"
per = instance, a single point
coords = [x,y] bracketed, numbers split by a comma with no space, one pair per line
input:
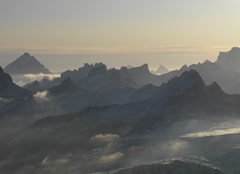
[8,89]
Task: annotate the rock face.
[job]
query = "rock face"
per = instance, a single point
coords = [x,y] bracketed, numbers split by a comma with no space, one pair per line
[81,73]
[8,89]
[5,80]
[229,60]
[139,71]
[66,87]
[161,70]
[26,64]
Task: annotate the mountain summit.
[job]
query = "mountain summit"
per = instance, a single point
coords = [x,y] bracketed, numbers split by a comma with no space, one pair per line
[26,64]
[161,70]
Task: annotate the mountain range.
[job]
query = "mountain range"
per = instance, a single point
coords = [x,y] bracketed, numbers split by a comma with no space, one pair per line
[128,120]
[114,133]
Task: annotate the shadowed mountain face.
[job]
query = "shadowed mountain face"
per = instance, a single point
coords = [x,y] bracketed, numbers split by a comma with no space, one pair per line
[65,88]
[8,89]
[26,64]
[229,60]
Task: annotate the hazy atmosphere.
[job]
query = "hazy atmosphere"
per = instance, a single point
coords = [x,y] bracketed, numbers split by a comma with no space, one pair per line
[119,87]
[118,32]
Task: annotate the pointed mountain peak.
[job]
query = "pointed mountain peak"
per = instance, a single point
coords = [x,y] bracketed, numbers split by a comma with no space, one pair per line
[192,75]
[161,70]
[207,61]
[26,54]
[66,87]
[26,64]
[183,68]
[188,80]
[214,89]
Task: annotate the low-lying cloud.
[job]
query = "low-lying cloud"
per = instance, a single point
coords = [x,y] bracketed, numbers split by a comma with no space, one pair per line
[22,80]
[41,95]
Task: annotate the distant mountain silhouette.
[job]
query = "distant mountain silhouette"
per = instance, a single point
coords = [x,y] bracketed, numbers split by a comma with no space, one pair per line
[230,59]
[161,70]
[129,67]
[26,64]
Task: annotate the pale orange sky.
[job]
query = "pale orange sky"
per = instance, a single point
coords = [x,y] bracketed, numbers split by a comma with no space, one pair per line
[188,30]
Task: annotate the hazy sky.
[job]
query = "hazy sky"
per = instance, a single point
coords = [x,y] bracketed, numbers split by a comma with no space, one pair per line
[169,32]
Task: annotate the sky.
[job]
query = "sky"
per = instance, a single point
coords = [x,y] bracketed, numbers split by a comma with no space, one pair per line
[65,34]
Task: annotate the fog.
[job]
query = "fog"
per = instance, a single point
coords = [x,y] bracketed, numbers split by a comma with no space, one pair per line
[22,80]
[107,151]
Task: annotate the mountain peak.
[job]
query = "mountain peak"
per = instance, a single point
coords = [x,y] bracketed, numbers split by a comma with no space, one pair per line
[188,80]
[98,69]
[26,64]
[214,89]
[26,54]
[66,87]
[161,70]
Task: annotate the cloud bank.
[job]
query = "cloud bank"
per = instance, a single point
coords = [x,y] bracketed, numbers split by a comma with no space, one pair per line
[22,80]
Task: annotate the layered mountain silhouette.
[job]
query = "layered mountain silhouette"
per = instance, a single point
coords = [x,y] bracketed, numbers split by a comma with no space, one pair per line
[111,131]
[127,120]
[229,80]
[161,70]
[97,78]
[188,86]
[8,89]
[26,64]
